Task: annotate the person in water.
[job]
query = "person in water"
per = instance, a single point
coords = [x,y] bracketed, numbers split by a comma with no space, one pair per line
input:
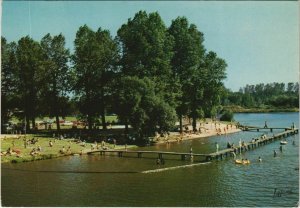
[275,153]
[259,159]
[217,146]
[266,126]
[228,145]
[158,161]
[280,148]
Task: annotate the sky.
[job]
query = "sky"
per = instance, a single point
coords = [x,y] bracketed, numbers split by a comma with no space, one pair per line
[258,40]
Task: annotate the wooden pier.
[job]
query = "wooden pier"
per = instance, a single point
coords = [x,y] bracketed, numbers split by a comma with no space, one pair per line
[252,144]
[207,157]
[140,154]
[255,128]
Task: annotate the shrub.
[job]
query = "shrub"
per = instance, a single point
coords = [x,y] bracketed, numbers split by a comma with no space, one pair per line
[227,116]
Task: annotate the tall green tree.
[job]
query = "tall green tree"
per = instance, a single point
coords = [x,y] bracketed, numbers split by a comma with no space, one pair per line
[55,76]
[188,53]
[29,56]
[214,88]
[127,94]
[146,49]
[94,60]
[9,79]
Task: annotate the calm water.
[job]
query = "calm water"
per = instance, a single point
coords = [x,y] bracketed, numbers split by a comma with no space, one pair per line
[111,181]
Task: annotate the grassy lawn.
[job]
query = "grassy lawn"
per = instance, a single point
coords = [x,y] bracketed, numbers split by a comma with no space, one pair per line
[47,151]
[67,118]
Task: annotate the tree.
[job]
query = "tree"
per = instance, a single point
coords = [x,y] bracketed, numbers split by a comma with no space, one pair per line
[146,49]
[153,113]
[290,88]
[8,79]
[215,73]
[127,98]
[188,52]
[55,76]
[29,56]
[94,59]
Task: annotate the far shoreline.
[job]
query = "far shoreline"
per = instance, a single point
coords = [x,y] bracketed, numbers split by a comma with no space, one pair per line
[260,110]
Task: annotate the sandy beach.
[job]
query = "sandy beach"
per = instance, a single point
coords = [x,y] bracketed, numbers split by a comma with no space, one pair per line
[207,129]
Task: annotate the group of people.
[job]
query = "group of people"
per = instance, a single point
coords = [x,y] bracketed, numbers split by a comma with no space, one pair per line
[28,142]
[36,151]
[64,151]
[11,151]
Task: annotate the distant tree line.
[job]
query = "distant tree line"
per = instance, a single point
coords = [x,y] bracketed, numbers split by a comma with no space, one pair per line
[149,75]
[274,94]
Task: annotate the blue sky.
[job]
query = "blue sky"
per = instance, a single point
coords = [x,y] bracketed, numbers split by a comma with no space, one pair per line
[258,40]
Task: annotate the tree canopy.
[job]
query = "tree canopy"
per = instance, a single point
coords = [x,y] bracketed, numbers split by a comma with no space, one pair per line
[149,75]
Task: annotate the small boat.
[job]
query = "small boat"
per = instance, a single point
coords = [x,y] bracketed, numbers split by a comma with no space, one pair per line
[244,162]
[283,142]
[237,161]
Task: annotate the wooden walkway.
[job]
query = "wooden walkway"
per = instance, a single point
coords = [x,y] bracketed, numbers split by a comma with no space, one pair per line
[255,128]
[260,141]
[207,157]
[140,154]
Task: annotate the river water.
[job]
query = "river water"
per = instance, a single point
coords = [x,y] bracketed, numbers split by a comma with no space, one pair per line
[112,181]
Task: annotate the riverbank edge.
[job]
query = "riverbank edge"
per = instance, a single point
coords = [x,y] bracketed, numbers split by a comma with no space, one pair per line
[52,156]
[175,137]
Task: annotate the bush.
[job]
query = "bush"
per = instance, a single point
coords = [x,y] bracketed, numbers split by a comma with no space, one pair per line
[227,116]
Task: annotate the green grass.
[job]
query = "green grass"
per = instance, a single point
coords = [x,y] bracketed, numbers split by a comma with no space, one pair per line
[67,118]
[47,151]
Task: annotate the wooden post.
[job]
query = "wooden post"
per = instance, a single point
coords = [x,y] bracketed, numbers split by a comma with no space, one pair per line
[271,129]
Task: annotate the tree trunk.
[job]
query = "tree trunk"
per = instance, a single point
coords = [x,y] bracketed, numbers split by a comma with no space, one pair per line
[103,110]
[126,131]
[194,123]
[89,119]
[103,119]
[33,123]
[57,124]
[27,123]
[180,123]
[126,127]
